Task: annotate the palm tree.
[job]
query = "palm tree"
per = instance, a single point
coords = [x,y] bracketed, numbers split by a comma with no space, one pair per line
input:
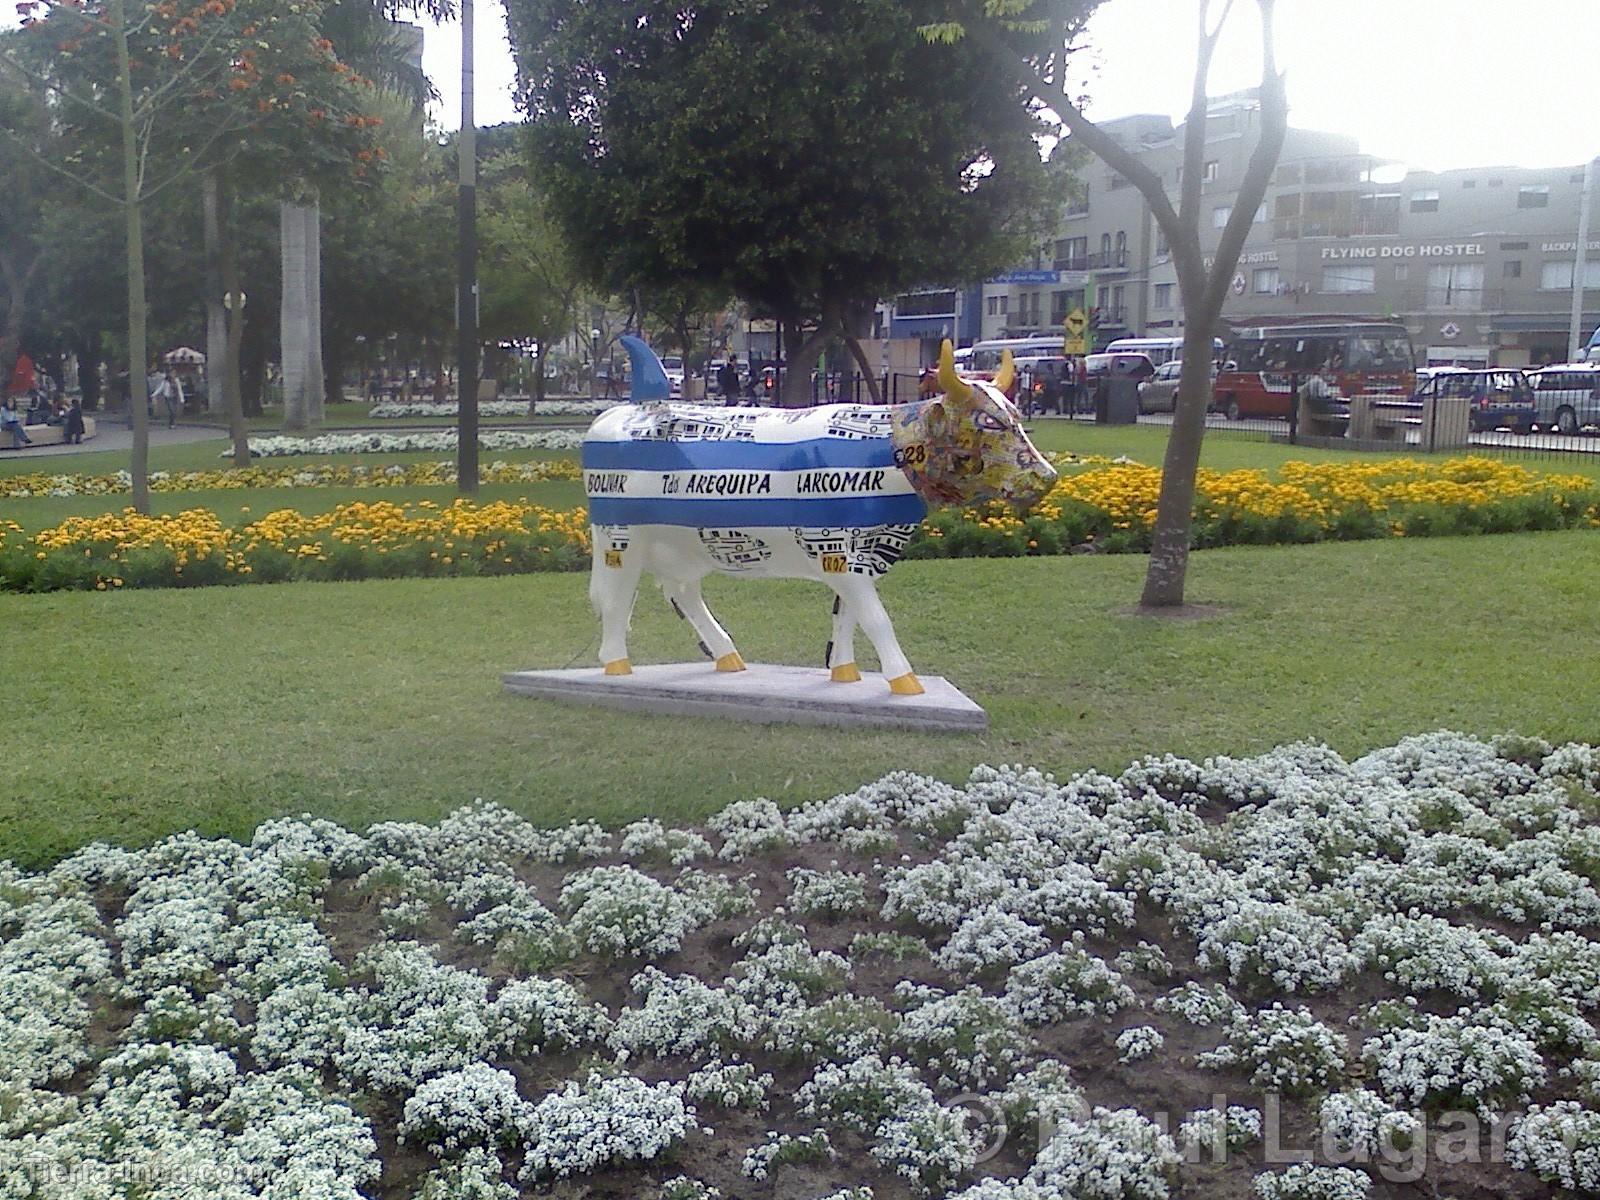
[367,38]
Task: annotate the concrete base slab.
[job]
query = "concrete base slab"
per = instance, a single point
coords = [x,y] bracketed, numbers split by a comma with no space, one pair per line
[764,694]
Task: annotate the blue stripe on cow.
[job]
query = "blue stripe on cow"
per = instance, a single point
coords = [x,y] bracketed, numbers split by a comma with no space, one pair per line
[853,512]
[665,455]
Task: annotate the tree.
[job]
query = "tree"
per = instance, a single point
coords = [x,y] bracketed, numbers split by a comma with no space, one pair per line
[1035,37]
[809,157]
[364,34]
[167,95]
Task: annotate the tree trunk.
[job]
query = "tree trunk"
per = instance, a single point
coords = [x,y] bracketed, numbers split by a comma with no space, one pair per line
[317,396]
[87,348]
[1169,551]
[138,391]
[252,369]
[874,392]
[216,316]
[293,319]
[797,382]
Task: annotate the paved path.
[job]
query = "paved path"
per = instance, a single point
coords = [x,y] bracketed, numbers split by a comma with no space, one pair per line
[115,435]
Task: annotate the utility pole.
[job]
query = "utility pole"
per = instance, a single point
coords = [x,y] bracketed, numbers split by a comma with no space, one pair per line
[1580,265]
[467,275]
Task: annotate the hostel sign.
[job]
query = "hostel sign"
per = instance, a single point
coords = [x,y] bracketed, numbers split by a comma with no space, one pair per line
[1406,250]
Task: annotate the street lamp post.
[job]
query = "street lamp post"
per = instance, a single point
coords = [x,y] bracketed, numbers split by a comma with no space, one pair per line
[1580,264]
[467,275]
[233,304]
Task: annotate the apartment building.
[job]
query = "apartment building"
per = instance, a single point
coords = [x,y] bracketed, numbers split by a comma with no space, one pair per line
[1477,262]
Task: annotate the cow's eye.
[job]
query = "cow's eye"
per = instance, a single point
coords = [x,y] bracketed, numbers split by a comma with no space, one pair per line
[987,421]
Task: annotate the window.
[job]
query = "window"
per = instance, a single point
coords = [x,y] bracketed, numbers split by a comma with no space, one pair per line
[1402,272]
[1058,307]
[1072,254]
[1162,249]
[1261,214]
[1558,275]
[1534,196]
[1264,281]
[1220,215]
[1513,245]
[1122,248]
[1117,182]
[1469,183]
[1163,296]
[1005,305]
[1345,278]
[1210,171]
[1455,285]
[1105,249]
[994,306]
[1116,303]
[1496,182]
[1511,269]
[1427,201]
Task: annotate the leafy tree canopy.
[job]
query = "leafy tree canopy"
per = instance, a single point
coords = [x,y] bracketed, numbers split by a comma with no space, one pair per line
[808,155]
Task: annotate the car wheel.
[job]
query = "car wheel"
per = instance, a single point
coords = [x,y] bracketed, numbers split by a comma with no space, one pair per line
[1231,409]
[1566,421]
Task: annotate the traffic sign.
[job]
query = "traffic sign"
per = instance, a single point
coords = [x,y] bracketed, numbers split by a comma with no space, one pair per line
[1075,345]
[1075,323]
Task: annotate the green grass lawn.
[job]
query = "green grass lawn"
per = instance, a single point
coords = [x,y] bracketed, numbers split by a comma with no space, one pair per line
[131,715]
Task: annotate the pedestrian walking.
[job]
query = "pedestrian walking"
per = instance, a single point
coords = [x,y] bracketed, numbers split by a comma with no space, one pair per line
[172,396]
[728,380]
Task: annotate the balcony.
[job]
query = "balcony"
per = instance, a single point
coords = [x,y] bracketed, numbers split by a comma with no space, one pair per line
[1315,225]
[1072,262]
[1111,261]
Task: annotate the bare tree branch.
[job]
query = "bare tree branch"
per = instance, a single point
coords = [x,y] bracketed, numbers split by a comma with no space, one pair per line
[44,160]
[1253,187]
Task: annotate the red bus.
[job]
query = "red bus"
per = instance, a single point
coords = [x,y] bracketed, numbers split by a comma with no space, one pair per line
[1351,358]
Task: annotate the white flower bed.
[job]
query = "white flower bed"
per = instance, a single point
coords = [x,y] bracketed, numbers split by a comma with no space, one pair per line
[434,441]
[603,1122]
[258,1007]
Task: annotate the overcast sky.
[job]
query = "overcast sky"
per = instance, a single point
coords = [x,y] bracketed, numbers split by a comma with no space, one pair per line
[1434,83]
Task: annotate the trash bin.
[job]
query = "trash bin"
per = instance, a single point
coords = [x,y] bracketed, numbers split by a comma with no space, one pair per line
[1121,406]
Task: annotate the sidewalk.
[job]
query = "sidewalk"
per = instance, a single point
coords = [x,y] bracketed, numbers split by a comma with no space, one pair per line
[114,434]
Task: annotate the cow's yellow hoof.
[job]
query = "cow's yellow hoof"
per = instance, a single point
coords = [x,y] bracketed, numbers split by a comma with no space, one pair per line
[620,666]
[730,662]
[846,673]
[906,685]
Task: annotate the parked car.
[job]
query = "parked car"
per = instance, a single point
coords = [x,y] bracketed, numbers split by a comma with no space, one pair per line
[672,364]
[1136,366]
[1500,396]
[1159,393]
[1566,396]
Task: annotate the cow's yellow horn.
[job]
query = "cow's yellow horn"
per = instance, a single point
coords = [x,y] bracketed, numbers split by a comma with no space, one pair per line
[1007,374]
[949,382]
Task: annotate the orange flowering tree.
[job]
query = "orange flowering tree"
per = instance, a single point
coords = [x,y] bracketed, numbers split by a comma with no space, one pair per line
[145,99]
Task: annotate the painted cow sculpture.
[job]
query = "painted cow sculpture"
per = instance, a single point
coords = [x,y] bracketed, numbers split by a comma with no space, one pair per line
[830,493]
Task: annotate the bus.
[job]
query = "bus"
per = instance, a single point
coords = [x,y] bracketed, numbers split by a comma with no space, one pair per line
[984,360]
[1157,350]
[1262,363]
[1591,352]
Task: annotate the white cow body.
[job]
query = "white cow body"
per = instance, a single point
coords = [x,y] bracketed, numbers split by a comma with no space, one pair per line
[831,494]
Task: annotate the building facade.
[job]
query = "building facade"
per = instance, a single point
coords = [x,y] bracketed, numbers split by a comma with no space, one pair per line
[1477,263]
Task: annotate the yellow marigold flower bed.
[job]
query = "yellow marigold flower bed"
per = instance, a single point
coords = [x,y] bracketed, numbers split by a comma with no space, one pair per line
[328,475]
[1110,504]
[354,541]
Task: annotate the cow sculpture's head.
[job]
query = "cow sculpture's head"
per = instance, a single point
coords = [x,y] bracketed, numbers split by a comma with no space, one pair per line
[967,445]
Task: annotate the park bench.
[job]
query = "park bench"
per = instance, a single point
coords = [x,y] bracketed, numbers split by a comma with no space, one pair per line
[49,435]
